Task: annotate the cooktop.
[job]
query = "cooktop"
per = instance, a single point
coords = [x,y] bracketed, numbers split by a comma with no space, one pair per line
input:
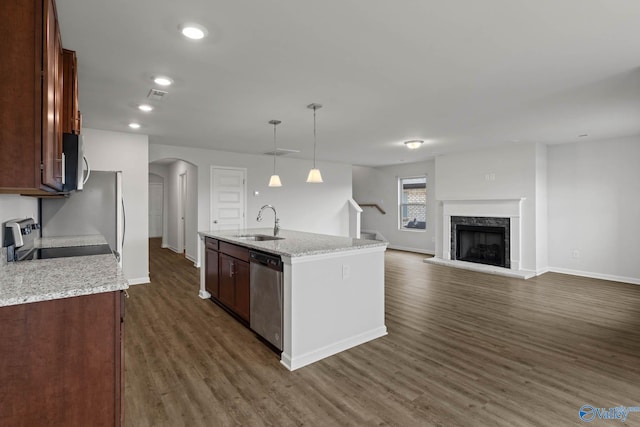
[64,252]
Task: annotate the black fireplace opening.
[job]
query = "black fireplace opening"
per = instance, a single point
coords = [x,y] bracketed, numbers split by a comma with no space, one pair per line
[481,244]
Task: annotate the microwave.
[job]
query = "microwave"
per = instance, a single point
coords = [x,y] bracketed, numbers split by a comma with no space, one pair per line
[74,164]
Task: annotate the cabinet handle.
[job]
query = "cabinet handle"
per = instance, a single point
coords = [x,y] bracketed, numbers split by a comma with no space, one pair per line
[231,268]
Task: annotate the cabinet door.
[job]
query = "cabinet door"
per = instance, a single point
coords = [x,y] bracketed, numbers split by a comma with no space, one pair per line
[52,100]
[226,288]
[242,296]
[211,274]
[70,114]
[60,362]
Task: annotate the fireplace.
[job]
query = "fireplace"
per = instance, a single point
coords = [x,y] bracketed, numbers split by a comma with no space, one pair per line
[483,240]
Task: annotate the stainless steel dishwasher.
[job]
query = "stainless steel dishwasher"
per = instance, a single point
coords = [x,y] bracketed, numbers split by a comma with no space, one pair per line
[266,314]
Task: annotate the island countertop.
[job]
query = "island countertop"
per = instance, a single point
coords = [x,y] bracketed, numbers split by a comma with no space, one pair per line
[294,243]
[48,279]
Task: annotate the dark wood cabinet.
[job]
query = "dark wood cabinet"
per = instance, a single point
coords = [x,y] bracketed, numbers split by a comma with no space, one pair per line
[71,118]
[61,362]
[242,295]
[233,279]
[31,98]
[211,267]
[227,285]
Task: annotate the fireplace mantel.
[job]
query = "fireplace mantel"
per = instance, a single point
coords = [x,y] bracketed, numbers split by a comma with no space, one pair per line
[504,208]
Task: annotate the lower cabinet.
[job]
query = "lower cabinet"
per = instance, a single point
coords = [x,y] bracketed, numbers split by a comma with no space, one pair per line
[61,362]
[227,276]
[234,285]
[211,267]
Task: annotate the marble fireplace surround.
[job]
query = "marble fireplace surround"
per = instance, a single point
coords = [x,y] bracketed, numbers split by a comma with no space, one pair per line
[501,208]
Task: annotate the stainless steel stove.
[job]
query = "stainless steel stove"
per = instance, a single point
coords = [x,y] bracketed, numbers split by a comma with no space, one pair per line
[19,237]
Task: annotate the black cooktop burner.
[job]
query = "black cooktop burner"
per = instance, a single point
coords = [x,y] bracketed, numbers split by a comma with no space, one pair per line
[70,251]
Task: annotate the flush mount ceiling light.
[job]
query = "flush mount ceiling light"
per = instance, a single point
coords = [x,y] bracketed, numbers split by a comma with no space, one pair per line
[314,174]
[274,181]
[193,31]
[163,80]
[134,125]
[413,144]
[145,107]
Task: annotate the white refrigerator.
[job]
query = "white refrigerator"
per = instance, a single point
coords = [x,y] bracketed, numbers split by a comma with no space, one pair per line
[97,209]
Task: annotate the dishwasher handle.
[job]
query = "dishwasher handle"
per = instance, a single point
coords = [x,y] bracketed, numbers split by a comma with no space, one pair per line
[273,262]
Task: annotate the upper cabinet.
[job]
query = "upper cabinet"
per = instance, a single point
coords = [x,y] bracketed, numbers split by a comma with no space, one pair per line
[32,98]
[71,118]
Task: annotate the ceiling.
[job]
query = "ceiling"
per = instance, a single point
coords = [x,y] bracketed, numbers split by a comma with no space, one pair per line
[458,74]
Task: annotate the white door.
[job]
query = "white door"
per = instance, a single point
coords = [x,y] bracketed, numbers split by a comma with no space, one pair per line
[155,209]
[228,199]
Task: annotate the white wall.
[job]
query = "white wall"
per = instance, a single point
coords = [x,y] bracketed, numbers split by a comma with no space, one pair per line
[117,151]
[542,214]
[594,208]
[380,185]
[14,206]
[511,171]
[318,208]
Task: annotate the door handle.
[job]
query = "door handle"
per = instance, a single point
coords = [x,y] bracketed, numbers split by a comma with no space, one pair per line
[215,221]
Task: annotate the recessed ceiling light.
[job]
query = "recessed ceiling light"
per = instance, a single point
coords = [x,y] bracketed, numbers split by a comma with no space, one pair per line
[193,31]
[145,107]
[163,80]
[413,144]
[134,125]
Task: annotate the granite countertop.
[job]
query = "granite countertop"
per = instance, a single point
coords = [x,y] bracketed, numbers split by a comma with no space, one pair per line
[295,243]
[48,279]
[63,242]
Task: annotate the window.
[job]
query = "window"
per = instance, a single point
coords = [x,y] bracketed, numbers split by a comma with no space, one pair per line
[412,199]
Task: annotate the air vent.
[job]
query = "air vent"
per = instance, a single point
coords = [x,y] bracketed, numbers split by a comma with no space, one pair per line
[157,95]
[281,152]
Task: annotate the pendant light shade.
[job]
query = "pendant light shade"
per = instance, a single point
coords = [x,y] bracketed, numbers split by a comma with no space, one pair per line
[274,181]
[314,176]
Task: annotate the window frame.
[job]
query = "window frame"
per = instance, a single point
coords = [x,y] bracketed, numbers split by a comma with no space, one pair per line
[401,227]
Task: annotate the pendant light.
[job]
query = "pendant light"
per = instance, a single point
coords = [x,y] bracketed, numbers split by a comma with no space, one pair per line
[314,174]
[274,181]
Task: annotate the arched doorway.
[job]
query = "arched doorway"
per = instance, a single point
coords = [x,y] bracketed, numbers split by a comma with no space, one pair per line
[179,205]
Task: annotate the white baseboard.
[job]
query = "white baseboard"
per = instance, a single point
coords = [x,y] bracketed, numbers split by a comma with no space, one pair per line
[164,246]
[592,275]
[204,294]
[409,249]
[139,280]
[319,354]
[174,249]
[192,259]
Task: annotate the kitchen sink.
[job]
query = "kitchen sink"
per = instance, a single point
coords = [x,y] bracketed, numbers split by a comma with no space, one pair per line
[257,237]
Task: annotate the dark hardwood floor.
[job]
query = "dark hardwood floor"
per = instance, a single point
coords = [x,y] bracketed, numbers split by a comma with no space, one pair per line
[463,348]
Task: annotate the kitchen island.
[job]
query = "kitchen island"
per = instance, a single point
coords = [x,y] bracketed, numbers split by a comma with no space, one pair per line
[333,289]
[61,338]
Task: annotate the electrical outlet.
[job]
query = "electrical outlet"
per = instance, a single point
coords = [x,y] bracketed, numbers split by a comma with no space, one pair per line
[346,271]
[575,254]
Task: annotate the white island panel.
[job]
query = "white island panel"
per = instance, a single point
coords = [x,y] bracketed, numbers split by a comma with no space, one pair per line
[332,303]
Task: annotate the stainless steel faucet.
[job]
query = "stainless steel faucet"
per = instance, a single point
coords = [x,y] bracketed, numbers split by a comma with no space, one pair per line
[276,225]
